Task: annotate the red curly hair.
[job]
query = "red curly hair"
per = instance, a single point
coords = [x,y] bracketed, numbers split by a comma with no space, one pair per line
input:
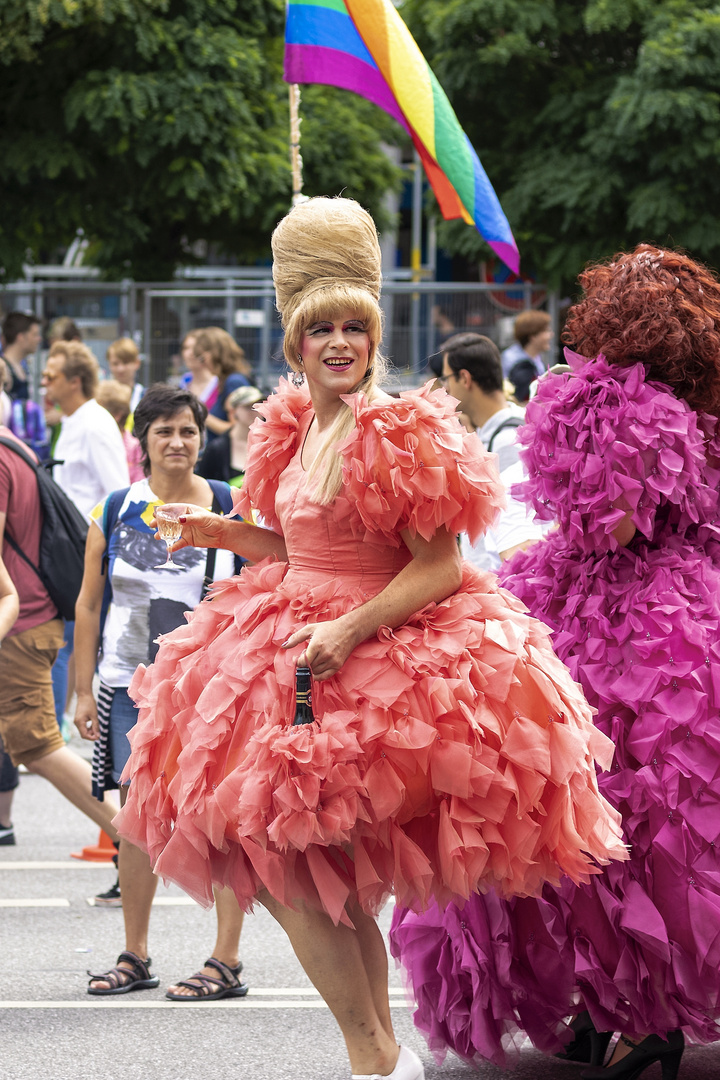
[659,308]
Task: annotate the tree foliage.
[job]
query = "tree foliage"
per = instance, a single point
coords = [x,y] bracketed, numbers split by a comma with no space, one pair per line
[151,124]
[598,121]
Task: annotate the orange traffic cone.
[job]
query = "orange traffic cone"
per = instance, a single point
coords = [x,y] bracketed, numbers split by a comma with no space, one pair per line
[103,851]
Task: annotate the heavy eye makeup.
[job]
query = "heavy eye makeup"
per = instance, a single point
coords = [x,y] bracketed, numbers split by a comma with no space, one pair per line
[325,328]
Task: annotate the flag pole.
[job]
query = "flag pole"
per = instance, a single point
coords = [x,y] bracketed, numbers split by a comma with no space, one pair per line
[295,158]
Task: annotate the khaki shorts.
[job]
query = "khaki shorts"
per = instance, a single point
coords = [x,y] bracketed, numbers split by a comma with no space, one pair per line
[28,725]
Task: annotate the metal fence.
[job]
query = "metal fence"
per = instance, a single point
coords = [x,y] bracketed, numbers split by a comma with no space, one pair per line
[419,316]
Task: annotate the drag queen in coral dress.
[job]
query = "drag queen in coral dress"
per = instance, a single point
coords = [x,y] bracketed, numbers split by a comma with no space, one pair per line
[451,751]
[625,457]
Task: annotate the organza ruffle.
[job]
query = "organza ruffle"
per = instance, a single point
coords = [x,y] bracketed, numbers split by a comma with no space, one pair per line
[272,444]
[640,629]
[408,464]
[452,754]
[603,441]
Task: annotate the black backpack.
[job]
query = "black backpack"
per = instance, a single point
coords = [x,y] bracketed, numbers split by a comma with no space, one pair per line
[62,539]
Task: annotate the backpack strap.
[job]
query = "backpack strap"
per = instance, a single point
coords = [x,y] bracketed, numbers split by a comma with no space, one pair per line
[222,496]
[511,422]
[21,453]
[113,506]
[19,450]
[222,504]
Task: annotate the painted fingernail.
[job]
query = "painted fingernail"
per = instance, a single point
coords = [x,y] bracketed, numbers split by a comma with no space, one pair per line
[285,643]
[182,520]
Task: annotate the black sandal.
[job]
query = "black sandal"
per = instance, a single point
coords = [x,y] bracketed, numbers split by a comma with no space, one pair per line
[208,988]
[122,980]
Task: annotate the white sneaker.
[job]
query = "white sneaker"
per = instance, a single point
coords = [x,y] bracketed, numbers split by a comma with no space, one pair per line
[408,1067]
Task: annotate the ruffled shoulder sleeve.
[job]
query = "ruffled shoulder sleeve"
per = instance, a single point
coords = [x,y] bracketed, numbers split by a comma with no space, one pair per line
[272,443]
[602,441]
[409,464]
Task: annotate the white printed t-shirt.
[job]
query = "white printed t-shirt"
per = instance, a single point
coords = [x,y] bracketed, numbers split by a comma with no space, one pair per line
[146,602]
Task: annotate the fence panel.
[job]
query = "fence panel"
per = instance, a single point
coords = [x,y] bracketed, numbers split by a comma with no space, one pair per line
[419,316]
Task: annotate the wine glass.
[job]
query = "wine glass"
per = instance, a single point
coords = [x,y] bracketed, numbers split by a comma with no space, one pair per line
[170,529]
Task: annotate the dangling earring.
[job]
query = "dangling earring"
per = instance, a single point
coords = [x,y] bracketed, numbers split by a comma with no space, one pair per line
[298,377]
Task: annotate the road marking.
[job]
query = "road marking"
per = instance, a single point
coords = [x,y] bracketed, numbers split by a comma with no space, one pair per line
[308,991]
[123,1003]
[75,864]
[175,901]
[34,903]
[159,901]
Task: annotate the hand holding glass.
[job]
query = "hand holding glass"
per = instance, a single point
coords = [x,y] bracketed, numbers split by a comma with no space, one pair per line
[170,529]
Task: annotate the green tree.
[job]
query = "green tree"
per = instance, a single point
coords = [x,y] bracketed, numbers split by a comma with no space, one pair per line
[598,121]
[152,124]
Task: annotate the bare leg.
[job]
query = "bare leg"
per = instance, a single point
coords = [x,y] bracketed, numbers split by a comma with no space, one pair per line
[137,888]
[6,799]
[72,775]
[332,957]
[375,962]
[70,682]
[230,918]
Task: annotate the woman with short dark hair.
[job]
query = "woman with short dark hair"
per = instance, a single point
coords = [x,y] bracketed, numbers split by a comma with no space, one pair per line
[123,621]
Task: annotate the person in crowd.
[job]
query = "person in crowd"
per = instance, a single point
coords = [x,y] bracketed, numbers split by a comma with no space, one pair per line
[427,681]
[63,329]
[623,452]
[5,402]
[28,727]
[21,339]
[198,377]
[116,397]
[225,457]
[223,357]
[145,601]
[523,361]
[123,360]
[91,461]
[472,373]
[91,453]
[9,608]
[9,780]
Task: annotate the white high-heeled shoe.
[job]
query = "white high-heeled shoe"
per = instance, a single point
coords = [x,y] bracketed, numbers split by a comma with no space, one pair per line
[408,1067]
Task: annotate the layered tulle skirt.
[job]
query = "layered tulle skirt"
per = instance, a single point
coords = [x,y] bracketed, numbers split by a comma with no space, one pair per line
[639,944]
[452,754]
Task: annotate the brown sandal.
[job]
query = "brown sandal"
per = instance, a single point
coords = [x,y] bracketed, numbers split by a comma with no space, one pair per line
[122,980]
[208,988]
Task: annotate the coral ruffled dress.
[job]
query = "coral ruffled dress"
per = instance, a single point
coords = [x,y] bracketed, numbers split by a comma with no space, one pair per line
[639,627]
[452,753]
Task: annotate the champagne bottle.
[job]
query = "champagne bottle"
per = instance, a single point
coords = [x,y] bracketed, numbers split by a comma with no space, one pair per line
[303,697]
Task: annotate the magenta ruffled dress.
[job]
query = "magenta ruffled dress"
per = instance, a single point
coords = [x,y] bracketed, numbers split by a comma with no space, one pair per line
[451,754]
[639,628]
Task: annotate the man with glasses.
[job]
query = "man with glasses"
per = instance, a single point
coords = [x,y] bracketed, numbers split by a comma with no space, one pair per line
[91,463]
[472,373]
[90,448]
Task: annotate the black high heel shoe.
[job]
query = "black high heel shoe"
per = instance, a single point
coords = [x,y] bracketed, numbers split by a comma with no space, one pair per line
[588,1046]
[668,1052]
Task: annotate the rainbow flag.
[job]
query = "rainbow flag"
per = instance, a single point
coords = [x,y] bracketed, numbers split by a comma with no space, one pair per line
[364,46]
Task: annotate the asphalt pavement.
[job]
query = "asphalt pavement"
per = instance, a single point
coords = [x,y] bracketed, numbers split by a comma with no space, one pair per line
[50,1029]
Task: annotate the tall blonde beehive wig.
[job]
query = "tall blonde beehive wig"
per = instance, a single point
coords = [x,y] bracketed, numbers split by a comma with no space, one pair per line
[326,260]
